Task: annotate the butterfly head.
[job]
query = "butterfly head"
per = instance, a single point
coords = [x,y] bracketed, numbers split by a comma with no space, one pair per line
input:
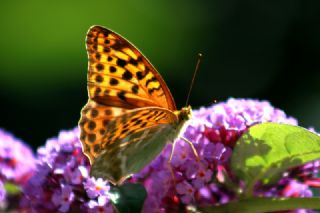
[185,114]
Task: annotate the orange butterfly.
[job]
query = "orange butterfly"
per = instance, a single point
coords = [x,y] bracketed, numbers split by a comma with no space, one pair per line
[130,115]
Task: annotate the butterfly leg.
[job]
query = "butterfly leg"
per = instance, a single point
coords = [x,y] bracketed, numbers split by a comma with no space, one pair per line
[172,150]
[169,162]
[192,147]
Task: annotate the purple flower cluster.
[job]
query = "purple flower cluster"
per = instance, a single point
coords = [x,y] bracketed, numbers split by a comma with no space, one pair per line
[16,159]
[61,182]
[213,131]
[17,164]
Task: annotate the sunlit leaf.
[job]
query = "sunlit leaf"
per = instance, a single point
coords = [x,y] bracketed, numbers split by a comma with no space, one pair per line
[267,150]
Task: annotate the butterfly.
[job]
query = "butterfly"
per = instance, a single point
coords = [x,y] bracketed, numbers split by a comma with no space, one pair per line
[130,115]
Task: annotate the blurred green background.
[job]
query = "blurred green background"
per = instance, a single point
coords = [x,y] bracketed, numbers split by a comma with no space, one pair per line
[252,48]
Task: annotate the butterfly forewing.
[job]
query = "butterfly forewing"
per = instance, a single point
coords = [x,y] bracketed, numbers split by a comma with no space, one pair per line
[119,75]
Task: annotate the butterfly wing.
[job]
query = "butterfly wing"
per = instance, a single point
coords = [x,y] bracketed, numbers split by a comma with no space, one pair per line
[94,119]
[120,76]
[133,139]
[117,127]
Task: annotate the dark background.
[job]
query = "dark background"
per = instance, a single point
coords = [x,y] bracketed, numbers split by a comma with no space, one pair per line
[252,49]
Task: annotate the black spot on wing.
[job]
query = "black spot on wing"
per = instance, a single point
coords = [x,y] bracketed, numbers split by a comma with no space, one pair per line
[150,91]
[99,78]
[102,131]
[98,56]
[141,75]
[160,117]
[85,110]
[112,69]
[134,119]
[137,122]
[91,125]
[99,67]
[127,75]
[149,117]
[121,95]
[106,92]
[104,32]
[124,131]
[105,123]
[135,89]
[94,113]
[97,92]
[96,148]
[153,79]
[144,114]
[143,125]
[113,82]
[133,62]
[121,62]
[106,49]
[91,137]
[108,112]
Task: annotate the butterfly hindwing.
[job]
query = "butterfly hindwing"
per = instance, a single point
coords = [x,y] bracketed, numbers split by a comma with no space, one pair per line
[132,140]
[136,120]
[94,119]
[102,126]
[119,75]
[128,155]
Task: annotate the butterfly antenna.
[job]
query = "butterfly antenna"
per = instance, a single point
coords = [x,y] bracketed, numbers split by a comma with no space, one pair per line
[194,76]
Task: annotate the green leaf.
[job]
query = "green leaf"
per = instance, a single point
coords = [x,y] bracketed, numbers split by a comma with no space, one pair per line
[128,198]
[12,188]
[253,205]
[267,150]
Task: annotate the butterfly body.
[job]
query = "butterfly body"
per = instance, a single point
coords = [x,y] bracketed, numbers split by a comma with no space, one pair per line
[130,115]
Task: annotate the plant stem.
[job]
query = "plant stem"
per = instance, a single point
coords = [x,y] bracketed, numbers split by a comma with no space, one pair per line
[253,205]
